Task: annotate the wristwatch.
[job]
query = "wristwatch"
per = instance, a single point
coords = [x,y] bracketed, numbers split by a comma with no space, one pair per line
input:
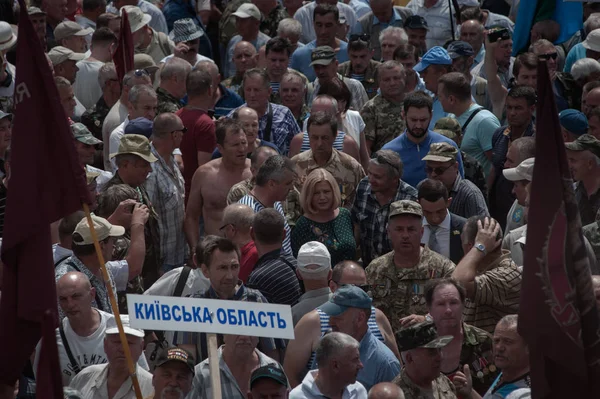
[480,247]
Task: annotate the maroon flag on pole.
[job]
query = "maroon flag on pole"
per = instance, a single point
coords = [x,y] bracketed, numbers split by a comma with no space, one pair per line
[48,378]
[123,57]
[46,183]
[558,316]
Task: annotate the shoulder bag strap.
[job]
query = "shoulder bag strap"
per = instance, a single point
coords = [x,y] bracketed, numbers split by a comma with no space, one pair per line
[183,277]
[464,128]
[63,337]
[267,135]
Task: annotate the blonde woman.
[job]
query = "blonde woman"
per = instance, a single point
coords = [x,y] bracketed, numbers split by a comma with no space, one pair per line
[324,220]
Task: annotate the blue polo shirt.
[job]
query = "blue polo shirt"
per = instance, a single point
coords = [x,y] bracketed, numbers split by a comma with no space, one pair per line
[412,155]
[380,363]
[230,101]
[301,58]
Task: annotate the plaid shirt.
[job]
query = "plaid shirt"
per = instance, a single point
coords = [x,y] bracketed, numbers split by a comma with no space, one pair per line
[283,127]
[199,339]
[467,199]
[165,188]
[372,218]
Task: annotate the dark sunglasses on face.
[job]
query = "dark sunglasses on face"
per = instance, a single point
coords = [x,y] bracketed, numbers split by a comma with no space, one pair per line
[363,38]
[438,171]
[546,57]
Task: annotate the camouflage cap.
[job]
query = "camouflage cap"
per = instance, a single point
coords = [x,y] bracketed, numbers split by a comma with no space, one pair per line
[448,126]
[83,134]
[421,335]
[585,142]
[35,11]
[135,144]
[322,55]
[405,207]
[441,152]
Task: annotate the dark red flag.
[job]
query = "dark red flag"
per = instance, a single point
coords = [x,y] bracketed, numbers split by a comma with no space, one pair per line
[48,377]
[558,316]
[46,183]
[123,57]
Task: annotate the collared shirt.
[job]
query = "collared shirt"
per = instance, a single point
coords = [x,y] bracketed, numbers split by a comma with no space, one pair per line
[166,191]
[243,293]
[441,388]
[346,170]
[309,301]
[467,199]
[515,217]
[412,155]
[158,21]
[283,126]
[301,58]
[372,218]
[305,15]
[438,20]
[588,205]
[383,121]
[309,389]
[228,101]
[369,79]
[202,384]
[497,293]
[247,260]
[60,254]
[477,138]
[92,383]
[442,235]
[229,68]
[358,93]
[501,389]
[257,206]
[167,102]
[275,277]
[399,292]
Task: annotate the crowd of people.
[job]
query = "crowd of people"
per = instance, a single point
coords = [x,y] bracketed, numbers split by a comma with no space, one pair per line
[366,162]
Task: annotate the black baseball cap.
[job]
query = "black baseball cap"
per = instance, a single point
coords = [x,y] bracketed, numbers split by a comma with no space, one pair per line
[269,371]
[175,354]
[460,49]
[416,22]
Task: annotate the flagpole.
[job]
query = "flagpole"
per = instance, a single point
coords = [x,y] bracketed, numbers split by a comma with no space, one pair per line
[113,303]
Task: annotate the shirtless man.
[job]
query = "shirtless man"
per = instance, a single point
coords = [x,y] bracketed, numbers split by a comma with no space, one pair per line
[299,351]
[212,181]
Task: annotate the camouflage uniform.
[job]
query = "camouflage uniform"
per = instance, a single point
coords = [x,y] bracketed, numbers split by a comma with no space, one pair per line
[227,28]
[166,102]
[94,117]
[345,169]
[442,388]
[477,353]
[370,79]
[399,292]
[234,84]
[270,22]
[383,121]
[304,113]
[592,233]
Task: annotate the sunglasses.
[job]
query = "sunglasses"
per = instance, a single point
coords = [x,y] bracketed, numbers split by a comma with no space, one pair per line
[438,171]
[141,72]
[546,57]
[363,38]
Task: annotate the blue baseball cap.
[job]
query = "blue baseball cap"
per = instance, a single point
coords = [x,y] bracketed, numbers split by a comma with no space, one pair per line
[141,126]
[347,296]
[435,56]
[574,121]
[460,49]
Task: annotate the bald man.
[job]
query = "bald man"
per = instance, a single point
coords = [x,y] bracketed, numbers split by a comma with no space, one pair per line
[237,220]
[244,57]
[386,390]
[312,327]
[590,101]
[80,338]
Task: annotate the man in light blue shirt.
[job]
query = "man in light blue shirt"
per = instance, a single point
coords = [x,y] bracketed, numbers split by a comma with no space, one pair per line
[478,124]
[434,64]
[326,23]
[349,310]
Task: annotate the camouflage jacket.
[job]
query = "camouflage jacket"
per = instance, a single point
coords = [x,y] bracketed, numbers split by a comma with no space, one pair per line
[235,84]
[135,285]
[167,102]
[383,121]
[270,22]
[345,169]
[474,172]
[592,233]
[93,118]
[369,81]
[227,28]
[399,292]
[442,387]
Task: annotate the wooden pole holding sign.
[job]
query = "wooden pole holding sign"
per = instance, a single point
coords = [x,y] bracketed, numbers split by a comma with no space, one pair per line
[213,363]
[113,303]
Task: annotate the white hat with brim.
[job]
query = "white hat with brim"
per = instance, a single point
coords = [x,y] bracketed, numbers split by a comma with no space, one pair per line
[83,234]
[137,18]
[524,171]
[592,41]
[248,10]
[7,36]
[111,327]
[60,54]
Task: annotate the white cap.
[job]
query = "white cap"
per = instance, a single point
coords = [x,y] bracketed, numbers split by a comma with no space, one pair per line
[524,171]
[111,327]
[313,253]
[592,41]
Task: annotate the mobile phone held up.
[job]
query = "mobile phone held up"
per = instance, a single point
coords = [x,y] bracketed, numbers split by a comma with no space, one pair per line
[497,34]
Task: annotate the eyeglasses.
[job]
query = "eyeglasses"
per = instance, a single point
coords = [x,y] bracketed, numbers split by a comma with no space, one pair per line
[225,225]
[363,38]
[546,57]
[438,171]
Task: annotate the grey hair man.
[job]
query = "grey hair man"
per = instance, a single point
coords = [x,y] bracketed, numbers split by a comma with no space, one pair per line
[339,362]
[172,87]
[290,29]
[386,390]
[94,117]
[389,40]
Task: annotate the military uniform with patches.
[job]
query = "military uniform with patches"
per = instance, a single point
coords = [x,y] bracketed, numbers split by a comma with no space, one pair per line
[270,23]
[234,84]
[94,117]
[345,169]
[400,292]
[423,335]
[383,121]
[167,102]
[369,81]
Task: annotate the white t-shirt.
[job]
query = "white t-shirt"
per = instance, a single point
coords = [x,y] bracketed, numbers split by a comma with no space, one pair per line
[87,351]
[86,86]
[355,125]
